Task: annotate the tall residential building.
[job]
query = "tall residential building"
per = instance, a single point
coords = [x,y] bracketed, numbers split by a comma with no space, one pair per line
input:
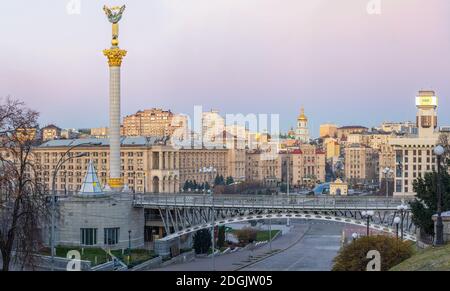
[361,164]
[152,122]
[302,132]
[328,130]
[414,154]
[50,132]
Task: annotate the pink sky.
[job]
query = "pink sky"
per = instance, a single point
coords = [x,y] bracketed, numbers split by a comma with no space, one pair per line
[238,56]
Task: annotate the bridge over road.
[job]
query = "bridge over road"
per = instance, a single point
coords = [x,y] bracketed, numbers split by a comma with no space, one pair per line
[186,213]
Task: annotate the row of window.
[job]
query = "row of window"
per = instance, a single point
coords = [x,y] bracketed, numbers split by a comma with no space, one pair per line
[88,236]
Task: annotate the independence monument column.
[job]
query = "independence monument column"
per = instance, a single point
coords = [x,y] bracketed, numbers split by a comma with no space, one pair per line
[115,56]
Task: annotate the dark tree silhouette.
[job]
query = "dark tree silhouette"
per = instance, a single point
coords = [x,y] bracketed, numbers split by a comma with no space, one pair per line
[23,205]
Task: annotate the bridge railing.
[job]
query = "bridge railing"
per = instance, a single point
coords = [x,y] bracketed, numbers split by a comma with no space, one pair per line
[266,201]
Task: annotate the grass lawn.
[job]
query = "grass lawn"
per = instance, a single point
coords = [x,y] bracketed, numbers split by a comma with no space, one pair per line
[137,256]
[96,256]
[430,259]
[263,235]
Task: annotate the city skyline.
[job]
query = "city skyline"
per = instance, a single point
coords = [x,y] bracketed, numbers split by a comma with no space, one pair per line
[176,61]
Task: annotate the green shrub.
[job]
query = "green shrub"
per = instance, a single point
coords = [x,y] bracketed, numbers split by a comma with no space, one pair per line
[353,256]
[246,235]
[202,241]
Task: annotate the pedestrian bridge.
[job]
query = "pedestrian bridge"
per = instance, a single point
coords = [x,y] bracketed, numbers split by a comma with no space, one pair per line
[186,213]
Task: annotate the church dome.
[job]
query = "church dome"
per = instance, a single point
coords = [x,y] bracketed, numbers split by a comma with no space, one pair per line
[302,116]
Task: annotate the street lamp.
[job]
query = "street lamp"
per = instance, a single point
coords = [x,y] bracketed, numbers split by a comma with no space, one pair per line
[368,214]
[129,246]
[288,221]
[396,222]
[387,172]
[213,229]
[354,236]
[439,151]
[211,170]
[402,208]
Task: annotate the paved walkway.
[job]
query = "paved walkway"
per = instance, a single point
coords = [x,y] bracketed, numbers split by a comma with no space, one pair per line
[239,259]
[313,252]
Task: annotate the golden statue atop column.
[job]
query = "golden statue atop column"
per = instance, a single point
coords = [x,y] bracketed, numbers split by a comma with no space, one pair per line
[115,56]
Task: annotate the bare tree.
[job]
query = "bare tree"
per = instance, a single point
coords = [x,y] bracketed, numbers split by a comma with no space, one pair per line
[22,200]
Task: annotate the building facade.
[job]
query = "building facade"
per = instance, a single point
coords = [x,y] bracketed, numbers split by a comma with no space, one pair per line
[414,154]
[361,164]
[262,167]
[328,130]
[147,164]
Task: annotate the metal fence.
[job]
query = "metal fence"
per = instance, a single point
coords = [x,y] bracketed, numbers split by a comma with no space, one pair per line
[264,201]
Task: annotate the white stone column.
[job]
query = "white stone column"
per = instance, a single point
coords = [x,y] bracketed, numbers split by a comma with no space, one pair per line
[114,122]
[115,56]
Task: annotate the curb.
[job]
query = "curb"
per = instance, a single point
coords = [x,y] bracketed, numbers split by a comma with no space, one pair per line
[276,252]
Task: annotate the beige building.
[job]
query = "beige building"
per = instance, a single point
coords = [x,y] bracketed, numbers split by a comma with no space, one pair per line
[50,132]
[99,132]
[414,154]
[308,165]
[332,147]
[328,130]
[344,131]
[147,164]
[386,160]
[361,164]
[262,167]
[152,122]
[193,160]
[26,134]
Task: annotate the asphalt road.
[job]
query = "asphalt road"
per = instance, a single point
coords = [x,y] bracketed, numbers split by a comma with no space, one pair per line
[313,252]
[309,246]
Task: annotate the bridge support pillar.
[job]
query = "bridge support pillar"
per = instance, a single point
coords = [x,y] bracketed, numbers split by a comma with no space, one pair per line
[167,248]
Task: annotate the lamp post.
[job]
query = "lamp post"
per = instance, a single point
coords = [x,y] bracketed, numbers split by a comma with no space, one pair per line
[129,246]
[402,208]
[354,236]
[368,214]
[439,151]
[396,222]
[288,221]
[211,170]
[61,161]
[212,232]
[387,172]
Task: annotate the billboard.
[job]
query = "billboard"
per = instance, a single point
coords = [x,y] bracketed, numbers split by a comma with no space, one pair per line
[426,101]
